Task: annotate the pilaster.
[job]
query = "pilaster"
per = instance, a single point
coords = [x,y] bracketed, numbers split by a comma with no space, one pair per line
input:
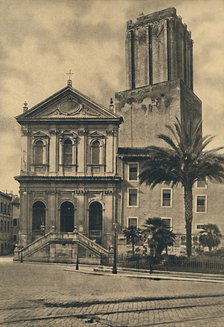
[52,152]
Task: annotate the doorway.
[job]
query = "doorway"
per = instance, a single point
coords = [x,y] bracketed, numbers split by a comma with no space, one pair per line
[95,221]
[67,217]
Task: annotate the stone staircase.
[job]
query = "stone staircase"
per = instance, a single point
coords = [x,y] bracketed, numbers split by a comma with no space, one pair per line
[61,247]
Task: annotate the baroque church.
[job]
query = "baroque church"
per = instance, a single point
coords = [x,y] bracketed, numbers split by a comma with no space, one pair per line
[81,161]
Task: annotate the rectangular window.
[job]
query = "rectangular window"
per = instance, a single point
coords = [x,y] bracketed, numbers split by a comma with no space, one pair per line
[133,197]
[133,172]
[14,238]
[166,198]
[168,222]
[133,222]
[183,240]
[201,203]
[201,183]
[15,222]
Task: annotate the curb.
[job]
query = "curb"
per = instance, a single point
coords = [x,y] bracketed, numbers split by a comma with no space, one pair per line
[102,272]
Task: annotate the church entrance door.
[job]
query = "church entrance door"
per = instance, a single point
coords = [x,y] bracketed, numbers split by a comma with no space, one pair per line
[38,219]
[67,217]
[95,221]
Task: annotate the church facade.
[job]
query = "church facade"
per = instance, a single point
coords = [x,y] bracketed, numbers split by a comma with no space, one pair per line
[69,174]
[81,161]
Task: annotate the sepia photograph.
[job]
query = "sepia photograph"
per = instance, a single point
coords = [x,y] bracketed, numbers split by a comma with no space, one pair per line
[112,163]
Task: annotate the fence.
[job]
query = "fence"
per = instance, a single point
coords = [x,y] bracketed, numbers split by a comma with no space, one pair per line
[188,265]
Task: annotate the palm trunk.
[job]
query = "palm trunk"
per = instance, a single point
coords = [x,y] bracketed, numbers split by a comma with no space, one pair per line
[133,248]
[188,203]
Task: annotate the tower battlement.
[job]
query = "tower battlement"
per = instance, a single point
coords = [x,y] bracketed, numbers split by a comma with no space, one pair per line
[159,48]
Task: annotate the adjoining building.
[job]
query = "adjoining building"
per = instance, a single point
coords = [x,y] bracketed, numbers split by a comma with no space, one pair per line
[81,161]
[5,223]
[15,207]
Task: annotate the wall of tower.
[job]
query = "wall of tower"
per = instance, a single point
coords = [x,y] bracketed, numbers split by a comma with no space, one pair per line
[158,48]
[147,110]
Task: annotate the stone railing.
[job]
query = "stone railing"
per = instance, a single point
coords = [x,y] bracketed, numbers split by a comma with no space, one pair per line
[91,244]
[20,253]
[52,236]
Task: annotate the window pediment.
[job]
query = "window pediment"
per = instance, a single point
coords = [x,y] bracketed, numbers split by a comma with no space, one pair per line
[69,134]
[40,134]
[96,135]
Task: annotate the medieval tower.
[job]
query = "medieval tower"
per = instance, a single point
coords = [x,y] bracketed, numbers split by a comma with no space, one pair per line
[81,161]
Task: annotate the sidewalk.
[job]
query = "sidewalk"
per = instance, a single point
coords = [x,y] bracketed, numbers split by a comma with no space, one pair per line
[144,274]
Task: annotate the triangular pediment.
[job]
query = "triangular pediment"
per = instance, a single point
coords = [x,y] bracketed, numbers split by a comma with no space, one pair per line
[40,134]
[67,104]
[96,134]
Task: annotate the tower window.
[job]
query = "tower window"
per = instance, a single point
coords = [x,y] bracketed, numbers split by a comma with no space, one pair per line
[67,153]
[168,222]
[201,203]
[133,197]
[133,222]
[201,183]
[166,198]
[133,172]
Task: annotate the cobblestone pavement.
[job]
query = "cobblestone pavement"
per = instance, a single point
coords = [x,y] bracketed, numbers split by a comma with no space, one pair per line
[48,295]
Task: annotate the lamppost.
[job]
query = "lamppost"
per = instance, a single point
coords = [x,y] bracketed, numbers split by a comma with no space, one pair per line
[114,270]
[77,258]
[77,248]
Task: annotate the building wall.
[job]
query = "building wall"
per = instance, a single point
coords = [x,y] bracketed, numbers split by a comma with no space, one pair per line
[150,203]
[80,195]
[147,110]
[158,48]
[15,221]
[82,182]
[5,224]
[82,136]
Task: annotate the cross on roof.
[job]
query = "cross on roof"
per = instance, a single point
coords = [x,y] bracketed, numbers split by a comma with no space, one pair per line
[70,74]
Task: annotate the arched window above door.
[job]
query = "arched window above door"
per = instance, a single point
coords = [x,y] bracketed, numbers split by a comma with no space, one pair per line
[95,152]
[67,152]
[38,152]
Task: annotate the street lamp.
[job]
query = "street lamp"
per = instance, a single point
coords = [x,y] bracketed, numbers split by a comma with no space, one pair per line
[77,248]
[114,270]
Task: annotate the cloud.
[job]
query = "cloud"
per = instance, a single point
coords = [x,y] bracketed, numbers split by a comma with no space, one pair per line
[41,40]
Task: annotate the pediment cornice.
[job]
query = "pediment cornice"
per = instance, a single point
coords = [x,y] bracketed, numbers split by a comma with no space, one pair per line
[67,104]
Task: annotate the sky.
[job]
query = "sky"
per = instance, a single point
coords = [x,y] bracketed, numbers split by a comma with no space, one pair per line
[41,40]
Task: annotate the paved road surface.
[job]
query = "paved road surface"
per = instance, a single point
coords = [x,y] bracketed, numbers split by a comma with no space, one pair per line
[53,295]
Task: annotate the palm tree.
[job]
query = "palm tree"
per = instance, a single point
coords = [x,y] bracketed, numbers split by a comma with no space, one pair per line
[210,236]
[132,234]
[183,161]
[159,236]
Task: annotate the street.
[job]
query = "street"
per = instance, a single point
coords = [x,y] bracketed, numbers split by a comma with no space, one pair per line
[34,294]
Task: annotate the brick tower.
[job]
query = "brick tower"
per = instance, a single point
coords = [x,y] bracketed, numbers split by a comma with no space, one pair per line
[159,65]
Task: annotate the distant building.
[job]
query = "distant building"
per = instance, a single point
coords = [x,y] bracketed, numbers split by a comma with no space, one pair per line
[15,205]
[81,161]
[5,223]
